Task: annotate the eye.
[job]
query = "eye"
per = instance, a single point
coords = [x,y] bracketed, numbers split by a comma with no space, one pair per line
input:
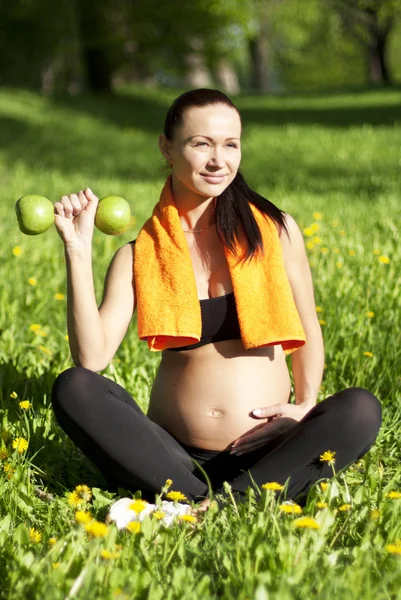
[201,143]
[232,145]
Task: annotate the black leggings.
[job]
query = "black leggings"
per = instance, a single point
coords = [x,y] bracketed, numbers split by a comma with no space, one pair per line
[135,453]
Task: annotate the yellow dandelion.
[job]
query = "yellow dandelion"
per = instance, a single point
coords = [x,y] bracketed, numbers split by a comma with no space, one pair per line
[342,233]
[80,495]
[96,529]
[45,350]
[317,240]
[20,444]
[83,517]
[370,314]
[158,514]
[133,526]
[3,454]
[345,507]
[315,227]
[138,505]
[107,555]
[328,457]
[9,470]
[322,322]
[168,483]
[321,504]
[324,486]
[59,296]
[32,281]
[25,404]
[394,495]
[41,333]
[384,260]
[51,541]
[394,548]
[56,565]
[14,395]
[310,245]
[35,327]
[34,535]
[374,514]
[290,508]
[308,231]
[324,250]
[336,250]
[376,252]
[319,309]
[272,485]
[367,353]
[176,496]
[339,264]
[17,250]
[306,522]
[318,216]
[66,337]
[188,518]
[351,252]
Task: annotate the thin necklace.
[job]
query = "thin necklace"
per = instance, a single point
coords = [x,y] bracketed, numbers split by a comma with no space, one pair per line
[199,230]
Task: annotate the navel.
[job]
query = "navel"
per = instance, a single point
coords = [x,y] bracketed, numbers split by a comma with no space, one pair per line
[216,412]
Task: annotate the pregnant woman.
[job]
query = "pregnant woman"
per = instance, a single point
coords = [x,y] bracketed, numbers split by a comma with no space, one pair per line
[222,286]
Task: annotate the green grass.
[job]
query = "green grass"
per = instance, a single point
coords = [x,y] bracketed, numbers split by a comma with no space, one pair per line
[335,154]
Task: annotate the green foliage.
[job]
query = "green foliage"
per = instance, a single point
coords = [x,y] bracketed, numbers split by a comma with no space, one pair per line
[335,155]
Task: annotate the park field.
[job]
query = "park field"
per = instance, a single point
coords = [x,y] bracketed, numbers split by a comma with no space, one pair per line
[333,162]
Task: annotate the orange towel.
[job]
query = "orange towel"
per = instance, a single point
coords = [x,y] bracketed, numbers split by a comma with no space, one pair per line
[169,314]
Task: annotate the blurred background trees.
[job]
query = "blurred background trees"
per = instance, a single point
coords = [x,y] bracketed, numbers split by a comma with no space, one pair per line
[238,45]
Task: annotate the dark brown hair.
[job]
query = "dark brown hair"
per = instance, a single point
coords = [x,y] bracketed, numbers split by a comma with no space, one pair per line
[232,206]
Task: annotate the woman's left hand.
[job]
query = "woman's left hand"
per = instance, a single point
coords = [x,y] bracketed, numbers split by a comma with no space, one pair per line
[281,417]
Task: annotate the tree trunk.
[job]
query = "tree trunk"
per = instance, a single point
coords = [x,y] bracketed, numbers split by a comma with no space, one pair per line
[377,60]
[227,77]
[198,75]
[259,50]
[92,27]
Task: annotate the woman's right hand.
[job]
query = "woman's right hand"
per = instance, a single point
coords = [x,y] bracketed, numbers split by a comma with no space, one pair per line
[75,217]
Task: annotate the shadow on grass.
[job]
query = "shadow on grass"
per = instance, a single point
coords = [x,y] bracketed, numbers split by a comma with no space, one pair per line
[63,463]
[118,137]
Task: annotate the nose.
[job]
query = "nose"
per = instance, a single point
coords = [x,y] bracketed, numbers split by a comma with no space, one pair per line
[216,158]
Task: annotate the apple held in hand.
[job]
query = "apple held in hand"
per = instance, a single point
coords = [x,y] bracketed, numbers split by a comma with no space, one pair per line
[113,215]
[35,214]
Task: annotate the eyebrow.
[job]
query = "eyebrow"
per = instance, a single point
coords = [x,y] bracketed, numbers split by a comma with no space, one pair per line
[209,138]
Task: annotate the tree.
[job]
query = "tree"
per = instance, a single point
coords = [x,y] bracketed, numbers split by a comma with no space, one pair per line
[370,23]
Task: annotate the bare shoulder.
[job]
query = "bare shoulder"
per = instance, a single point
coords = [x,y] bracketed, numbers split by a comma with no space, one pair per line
[293,243]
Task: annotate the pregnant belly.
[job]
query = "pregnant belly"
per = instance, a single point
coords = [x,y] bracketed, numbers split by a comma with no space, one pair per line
[206,400]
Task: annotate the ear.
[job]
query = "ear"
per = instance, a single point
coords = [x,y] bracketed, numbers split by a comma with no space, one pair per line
[164,146]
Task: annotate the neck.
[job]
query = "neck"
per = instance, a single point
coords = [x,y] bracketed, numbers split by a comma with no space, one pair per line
[195,211]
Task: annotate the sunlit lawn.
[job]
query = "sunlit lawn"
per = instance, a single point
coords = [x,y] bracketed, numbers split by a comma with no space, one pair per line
[333,163]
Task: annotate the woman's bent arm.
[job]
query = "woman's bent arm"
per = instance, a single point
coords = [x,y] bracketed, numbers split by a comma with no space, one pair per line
[85,331]
[95,334]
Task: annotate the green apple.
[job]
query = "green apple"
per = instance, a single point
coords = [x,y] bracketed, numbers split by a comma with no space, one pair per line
[35,214]
[113,215]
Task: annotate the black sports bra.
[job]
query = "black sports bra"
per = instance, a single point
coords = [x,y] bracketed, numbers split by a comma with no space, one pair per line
[219,321]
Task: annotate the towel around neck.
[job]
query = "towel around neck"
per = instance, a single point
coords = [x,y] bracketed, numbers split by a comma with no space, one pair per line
[169,314]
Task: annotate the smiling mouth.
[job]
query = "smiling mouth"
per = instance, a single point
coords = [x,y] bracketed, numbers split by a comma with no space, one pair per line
[215,177]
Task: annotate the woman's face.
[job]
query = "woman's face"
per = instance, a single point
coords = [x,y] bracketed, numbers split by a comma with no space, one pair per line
[205,152]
